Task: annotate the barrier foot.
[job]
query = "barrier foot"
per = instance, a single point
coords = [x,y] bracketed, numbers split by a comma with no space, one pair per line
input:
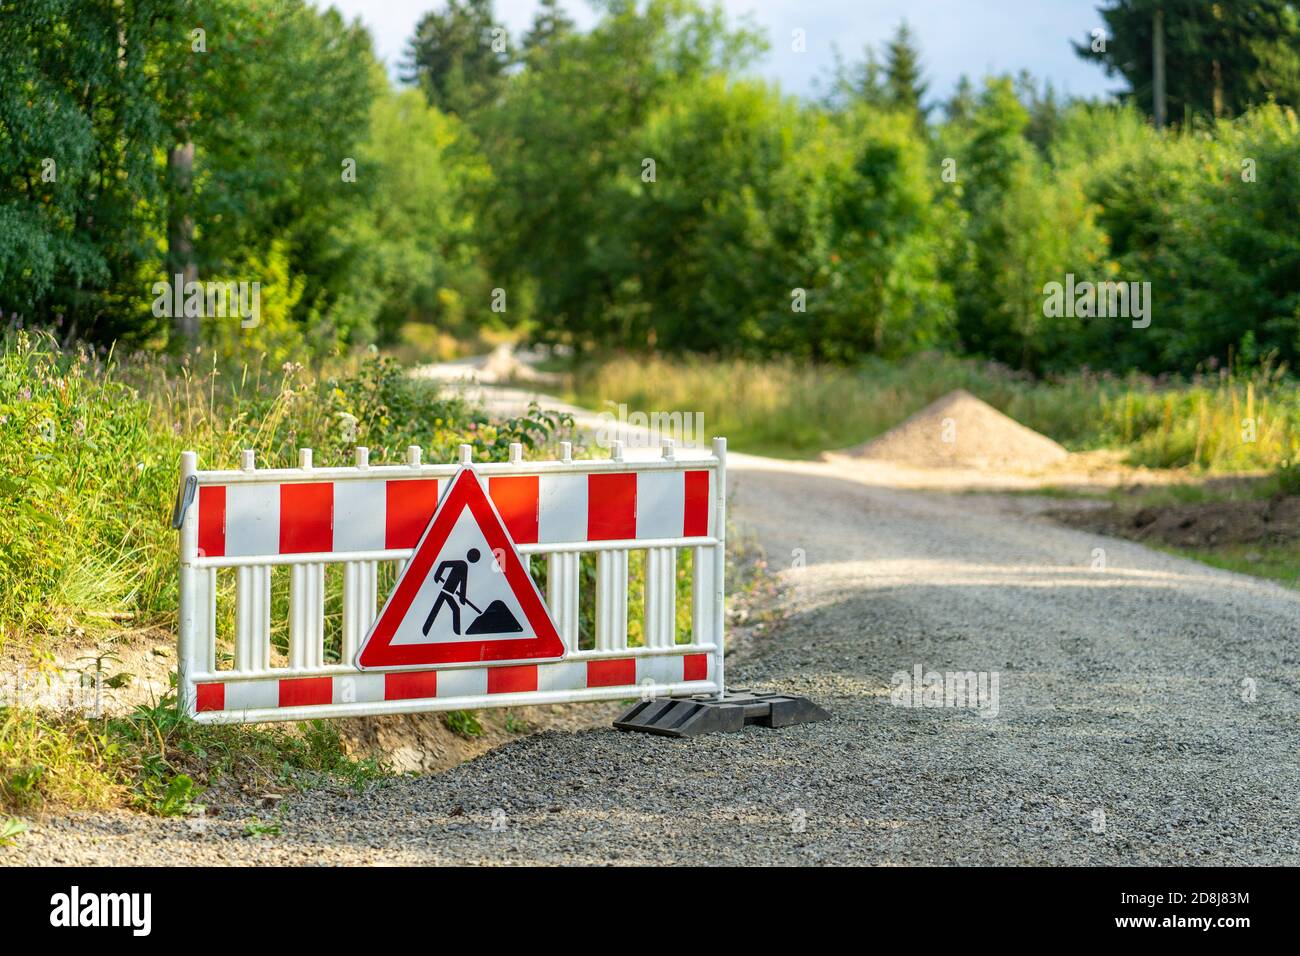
[705,714]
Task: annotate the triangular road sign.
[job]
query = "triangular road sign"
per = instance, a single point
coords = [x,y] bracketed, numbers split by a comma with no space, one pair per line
[465,595]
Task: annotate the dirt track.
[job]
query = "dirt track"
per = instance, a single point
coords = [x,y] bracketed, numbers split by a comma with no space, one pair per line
[1126,727]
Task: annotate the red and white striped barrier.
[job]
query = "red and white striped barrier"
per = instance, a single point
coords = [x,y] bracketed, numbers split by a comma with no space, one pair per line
[245,522]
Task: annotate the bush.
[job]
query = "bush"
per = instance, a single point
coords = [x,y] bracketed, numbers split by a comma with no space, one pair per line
[90,448]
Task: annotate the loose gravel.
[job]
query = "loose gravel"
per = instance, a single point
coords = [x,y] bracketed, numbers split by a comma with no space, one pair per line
[1147,713]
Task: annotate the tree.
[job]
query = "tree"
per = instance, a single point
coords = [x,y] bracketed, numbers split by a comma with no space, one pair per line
[459,56]
[861,83]
[904,87]
[568,165]
[550,24]
[1220,58]
[1020,227]
[80,120]
[960,107]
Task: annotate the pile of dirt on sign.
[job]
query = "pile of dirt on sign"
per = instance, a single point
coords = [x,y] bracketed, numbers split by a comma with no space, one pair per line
[960,431]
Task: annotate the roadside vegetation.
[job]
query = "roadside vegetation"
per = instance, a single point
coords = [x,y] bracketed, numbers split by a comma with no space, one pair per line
[804,272]
[89,452]
[1217,420]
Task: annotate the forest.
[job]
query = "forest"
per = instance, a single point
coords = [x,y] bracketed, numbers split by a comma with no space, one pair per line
[688,207]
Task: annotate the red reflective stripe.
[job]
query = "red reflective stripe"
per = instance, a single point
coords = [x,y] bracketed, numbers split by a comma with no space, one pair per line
[212,521]
[696,511]
[516,500]
[611,673]
[300,691]
[306,517]
[410,505]
[695,667]
[411,686]
[611,507]
[512,680]
[209,697]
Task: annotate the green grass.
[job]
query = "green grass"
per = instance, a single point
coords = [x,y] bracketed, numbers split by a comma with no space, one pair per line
[90,448]
[160,762]
[89,454]
[1279,563]
[1219,421]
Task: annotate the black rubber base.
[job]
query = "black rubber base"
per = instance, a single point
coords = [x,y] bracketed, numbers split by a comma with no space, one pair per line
[692,716]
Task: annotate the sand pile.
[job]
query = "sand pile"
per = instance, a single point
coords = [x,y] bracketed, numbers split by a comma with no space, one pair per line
[961,431]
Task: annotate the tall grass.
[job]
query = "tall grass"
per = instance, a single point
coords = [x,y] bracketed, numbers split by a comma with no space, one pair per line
[89,452]
[1221,421]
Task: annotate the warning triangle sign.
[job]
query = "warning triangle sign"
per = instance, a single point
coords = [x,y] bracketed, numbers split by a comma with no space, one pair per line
[465,595]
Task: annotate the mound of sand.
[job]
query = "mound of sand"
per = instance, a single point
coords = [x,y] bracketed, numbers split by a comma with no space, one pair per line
[961,431]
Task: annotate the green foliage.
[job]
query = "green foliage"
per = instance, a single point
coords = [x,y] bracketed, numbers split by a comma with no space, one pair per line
[415,250]
[906,90]
[10,830]
[463,723]
[458,56]
[567,164]
[80,115]
[1220,58]
[89,447]
[1222,421]
[683,208]
[166,759]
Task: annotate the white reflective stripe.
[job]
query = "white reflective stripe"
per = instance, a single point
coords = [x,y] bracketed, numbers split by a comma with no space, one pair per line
[660,597]
[562,596]
[462,682]
[611,600]
[565,675]
[561,508]
[307,615]
[360,599]
[360,515]
[205,621]
[252,618]
[661,670]
[359,688]
[252,519]
[660,504]
[249,694]
[702,597]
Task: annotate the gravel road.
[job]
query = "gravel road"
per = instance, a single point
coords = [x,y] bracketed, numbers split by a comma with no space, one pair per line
[1126,729]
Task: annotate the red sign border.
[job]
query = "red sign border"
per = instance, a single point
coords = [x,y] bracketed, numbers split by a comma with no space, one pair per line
[465,490]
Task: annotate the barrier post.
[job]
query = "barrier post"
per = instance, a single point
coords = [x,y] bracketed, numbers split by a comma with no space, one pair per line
[189,586]
[719,566]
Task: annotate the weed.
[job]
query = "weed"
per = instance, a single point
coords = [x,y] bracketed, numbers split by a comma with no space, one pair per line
[463,723]
[10,829]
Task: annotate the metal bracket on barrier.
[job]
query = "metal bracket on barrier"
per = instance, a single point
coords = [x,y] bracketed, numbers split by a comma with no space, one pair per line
[692,716]
[184,498]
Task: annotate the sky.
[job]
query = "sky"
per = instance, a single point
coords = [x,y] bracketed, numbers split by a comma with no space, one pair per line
[976,37]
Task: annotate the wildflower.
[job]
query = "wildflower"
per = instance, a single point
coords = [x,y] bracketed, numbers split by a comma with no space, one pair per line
[25,393]
[79,427]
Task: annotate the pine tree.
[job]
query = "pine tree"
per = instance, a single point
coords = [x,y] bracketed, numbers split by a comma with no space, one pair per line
[549,25]
[1220,58]
[961,105]
[458,56]
[904,87]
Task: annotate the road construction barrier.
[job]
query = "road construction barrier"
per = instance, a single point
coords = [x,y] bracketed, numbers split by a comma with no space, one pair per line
[247,523]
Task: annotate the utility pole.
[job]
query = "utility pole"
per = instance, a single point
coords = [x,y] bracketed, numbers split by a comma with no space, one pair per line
[1158,71]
